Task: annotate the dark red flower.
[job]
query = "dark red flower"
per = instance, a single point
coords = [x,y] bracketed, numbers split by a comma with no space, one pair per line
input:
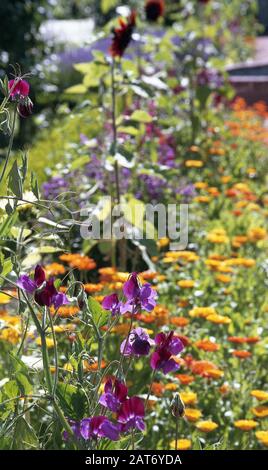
[25,109]
[123,35]
[154,9]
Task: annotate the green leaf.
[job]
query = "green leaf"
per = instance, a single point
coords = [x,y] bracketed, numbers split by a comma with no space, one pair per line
[34,186]
[141,116]
[24,385]
[130,130]
[79,162]
[99,315]
[72,400]
[6,266]
[15,181]
[76,89]
[107,5]
[24,436]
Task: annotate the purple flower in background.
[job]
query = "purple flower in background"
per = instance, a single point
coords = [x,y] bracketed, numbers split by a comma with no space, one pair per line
[112,303]
[99,426]
[209,77]
[45,293]
[187,192]
[54,187]
[138,297]
[154,186]
[131,415]
[138,343]
[115,393]
[167,345]
[75,426]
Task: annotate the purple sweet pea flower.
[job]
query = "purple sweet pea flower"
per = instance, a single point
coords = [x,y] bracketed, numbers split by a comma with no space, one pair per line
[167,345]
[131,414]
[112,303]
[138,343]
[114,395]
[75,426]
[138,297]
[98,426]
[45,293]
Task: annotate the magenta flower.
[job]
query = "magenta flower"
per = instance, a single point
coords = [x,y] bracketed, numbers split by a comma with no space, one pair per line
[138,343]
[98,426]
[167,345]
[131,415]
[138,297]
[114,395]
[112,303]
[45,293]
[19,92]
[18,88]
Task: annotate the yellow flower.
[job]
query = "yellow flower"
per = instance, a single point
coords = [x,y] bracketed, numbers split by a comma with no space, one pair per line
[202,199]
[256,233]
[192,414]
[246,424]
[194,163]
[171,386]
[207,426]
[49,342]
[223,278]
[217,235]
[219,319]
[182,444]
[200,185]
[188,398]
[262,437]
[261,395]
[186,283]
[4,299]
[163,242]
[202,312]
[260,411]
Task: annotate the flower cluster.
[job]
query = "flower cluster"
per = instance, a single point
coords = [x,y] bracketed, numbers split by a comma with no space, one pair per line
[44,291]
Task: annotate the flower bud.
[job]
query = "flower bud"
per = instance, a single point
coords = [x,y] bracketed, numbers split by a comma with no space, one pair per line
[177,407]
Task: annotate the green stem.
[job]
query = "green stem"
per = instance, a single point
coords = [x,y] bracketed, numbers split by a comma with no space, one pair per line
[150,389]
[176,434]
[55,354]
[10,144]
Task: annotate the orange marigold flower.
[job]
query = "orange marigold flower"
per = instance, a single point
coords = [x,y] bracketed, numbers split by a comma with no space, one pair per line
[194,163]
[242,354]
[261,395]
[65,311]
[54,269]
[207,426]
[207,345]
[246,424]
[186,283]
[93,288]
[182,444]
[188,398]
[185,379]
[260,411]
[262,437]
[179,321]
[192,414]
[92,367]
[237,339]
[157,389]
